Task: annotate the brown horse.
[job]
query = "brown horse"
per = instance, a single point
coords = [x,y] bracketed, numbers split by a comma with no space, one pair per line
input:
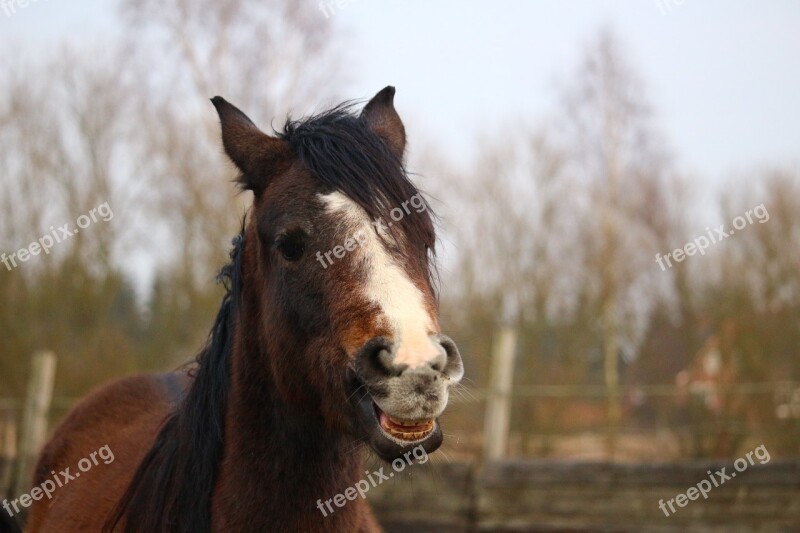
[327,341]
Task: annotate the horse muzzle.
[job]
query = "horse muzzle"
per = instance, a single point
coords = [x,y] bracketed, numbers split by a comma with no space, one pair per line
[401,406]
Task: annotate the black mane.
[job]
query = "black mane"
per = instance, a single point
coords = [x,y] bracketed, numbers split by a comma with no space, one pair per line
[172,487]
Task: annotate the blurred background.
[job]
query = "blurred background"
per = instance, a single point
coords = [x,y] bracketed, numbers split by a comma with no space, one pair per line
[568,147]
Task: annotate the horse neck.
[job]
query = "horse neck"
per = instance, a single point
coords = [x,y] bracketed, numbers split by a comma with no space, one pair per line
[277,462]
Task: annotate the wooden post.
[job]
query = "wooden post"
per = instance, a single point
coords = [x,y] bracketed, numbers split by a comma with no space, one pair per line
[498,407]
[34,417]
[611,372]
[8,451]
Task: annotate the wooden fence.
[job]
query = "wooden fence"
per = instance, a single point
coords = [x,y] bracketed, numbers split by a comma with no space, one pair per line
[577,496]
[498,494]
[530,496]
[17,461]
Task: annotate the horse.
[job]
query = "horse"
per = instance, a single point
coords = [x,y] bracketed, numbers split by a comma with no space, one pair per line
[327,347]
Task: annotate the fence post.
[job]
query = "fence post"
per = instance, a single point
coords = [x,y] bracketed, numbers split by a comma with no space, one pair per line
[34,416]
[8,451]
[498,406]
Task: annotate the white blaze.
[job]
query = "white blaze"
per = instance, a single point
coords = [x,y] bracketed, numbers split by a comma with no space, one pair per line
[389,286]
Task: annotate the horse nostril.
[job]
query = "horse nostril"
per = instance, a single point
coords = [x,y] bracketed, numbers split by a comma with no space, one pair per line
[375,361]
[453,367]
[439,362]
[378,359]
[385,359]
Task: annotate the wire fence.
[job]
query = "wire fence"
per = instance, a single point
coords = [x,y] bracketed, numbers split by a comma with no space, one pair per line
[659,422]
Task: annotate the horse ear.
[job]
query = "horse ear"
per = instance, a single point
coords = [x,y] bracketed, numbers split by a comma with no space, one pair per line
[258,155]
[382,118]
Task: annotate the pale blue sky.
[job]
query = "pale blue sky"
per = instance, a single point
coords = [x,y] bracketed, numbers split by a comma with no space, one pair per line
[723,75]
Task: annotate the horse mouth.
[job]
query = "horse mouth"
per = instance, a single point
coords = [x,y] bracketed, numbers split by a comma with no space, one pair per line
[390,437]
[404,430]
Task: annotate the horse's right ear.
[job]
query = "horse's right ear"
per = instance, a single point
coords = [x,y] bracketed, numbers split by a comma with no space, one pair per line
[259,156]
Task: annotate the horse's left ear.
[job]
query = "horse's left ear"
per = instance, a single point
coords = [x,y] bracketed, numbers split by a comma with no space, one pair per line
[259,156]
[382,118]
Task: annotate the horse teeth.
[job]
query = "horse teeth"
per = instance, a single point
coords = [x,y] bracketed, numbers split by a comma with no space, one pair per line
[410,435]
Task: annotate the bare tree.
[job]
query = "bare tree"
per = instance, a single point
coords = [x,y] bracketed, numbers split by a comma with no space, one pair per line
[267,57]
[132,126]
[617,161]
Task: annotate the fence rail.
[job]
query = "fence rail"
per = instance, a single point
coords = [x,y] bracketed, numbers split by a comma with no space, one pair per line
[528,495]
[568,496]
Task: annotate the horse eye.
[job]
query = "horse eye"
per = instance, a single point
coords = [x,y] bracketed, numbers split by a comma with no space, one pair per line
[291,246]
